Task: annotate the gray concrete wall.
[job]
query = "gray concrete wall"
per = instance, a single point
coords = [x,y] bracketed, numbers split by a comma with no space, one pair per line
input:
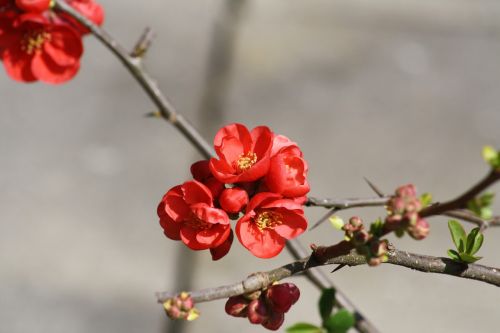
[395,91]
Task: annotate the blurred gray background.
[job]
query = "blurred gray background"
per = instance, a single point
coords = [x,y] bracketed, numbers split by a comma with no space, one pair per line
[397,91]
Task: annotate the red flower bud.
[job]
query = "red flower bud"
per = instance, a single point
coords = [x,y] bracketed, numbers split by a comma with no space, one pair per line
[282,296]
[356,221]
[274,321]
[257,311]
[233,200]
[237,306]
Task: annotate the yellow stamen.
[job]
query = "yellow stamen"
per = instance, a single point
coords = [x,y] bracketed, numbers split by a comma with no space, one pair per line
[34,40]
[268,220]
[246,161]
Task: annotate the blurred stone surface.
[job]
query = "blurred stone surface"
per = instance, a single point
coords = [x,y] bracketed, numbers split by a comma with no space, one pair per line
[395,91]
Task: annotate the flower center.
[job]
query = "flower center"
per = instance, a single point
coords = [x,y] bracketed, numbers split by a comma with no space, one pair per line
[195,223]
[268,220]
[245,161]
[34,40]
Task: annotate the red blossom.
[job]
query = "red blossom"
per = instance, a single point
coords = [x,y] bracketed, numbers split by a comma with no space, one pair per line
[34,48]
[243,155]
[88,8]
[269,221]
[288,170]
[187,213]
[201,172]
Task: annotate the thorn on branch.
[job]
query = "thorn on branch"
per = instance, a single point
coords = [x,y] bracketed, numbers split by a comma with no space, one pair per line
[374,188]
[143,44]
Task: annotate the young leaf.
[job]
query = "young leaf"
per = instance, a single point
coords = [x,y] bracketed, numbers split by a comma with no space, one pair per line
[486,213]
[491,156]
[474,241]
[304,328]
[377,227]
[457,234]
[426,199]
[340,322]
[487,199]
[336,222]
[453,255]
[326,303]
[467,258]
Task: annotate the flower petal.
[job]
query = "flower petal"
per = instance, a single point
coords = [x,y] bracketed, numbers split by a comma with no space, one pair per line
[221,250]
[293,224]
[209,214]
[46,70]
[188,237]
[263,244]
[214,236]
[171,229]
[195,192]
[64,47]
[175,206]
[18,64]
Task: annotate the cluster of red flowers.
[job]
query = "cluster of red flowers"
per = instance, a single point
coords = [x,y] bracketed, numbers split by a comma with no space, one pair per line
[37,43]
[258,175]
[267,307]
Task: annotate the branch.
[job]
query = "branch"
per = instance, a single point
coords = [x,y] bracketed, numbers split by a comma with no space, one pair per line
[133,64]
[468,216]
[418,262]
[347,203]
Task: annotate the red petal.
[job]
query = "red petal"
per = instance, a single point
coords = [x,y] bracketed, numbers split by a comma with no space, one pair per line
[230,150]
[65,46]
[18,64]
[280,142]
[262,244]
[293,224]
[222,171]
[46,70]
[260,199]
[171,229]
[262,141]
[175,206]
[195,192]
[200,170]
[221,250]
[214,236]
[188,237]
[237,131]
[209,214]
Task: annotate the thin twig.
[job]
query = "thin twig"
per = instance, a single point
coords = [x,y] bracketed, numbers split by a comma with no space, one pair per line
[145,80]
[418,262]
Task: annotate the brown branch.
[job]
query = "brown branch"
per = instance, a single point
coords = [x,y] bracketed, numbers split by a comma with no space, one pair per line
[166,109]
[461,201]
[347,203]
[423,263]
[467,215]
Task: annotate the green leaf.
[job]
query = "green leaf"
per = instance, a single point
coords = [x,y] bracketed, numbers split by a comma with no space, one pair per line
[457,234]
[467,258]
[304,328]
[326,303]
[336,222]
[377,227]
[340,322]
[491,156]
[400,232]
[474,241]
[426,199]
[453,255]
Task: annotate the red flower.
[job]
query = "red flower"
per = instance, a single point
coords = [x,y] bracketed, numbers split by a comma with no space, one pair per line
[33,48]
[269,221]
[186,213]
[33,5]
[88,8]
[243,155]
[288,170]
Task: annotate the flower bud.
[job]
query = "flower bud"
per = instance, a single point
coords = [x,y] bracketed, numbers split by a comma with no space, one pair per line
[408,190]
[282,296]
[356,221]
[237,306]
[257,311]
[379,248]
[181,307]
[360,237]
[233,200]
[274,321]
[420,230]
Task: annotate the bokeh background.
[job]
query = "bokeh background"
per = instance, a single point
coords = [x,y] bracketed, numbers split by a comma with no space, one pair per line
[396,91]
